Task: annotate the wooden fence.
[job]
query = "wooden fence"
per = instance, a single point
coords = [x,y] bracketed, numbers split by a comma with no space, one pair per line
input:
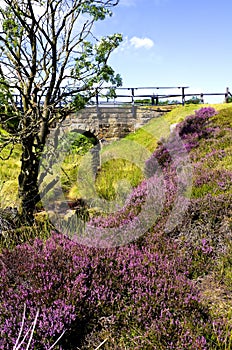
[134,94]
[155,98]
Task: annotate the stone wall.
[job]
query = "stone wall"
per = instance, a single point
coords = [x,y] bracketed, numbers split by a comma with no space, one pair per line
[112,123]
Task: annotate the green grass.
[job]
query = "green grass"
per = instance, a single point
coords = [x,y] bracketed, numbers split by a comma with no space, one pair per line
[124,176]
[9,172]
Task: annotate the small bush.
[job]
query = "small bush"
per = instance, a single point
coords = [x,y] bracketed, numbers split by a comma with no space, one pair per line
[74,287]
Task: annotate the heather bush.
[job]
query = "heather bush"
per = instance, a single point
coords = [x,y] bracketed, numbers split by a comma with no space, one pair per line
[139,213]
[209,218]
[75,287]
[171,154]
[195,127]
[191,130]
[41,276]
[213,172]
[196,123]
[214,181]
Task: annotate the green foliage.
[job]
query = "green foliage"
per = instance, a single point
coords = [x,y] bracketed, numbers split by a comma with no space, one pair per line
[79,143]
[11,238]
[194,100]
[97,11]
[168,102]
[148,101]
[93,58]
[80,101]
[11,27]
[9,118]
[145,101]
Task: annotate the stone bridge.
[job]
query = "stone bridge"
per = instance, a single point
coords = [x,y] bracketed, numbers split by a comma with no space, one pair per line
[110,123]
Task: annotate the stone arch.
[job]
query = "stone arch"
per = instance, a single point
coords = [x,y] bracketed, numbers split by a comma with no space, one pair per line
[87,133]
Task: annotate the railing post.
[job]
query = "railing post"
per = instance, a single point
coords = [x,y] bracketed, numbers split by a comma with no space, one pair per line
[132,95]
[152,100]
[97,101]
[202,98]
[97,98]
[183,97]
[227,95]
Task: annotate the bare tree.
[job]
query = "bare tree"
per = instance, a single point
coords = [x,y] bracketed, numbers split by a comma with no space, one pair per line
[50,60]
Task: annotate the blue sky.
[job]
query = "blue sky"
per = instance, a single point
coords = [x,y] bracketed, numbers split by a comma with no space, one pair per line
[173,43]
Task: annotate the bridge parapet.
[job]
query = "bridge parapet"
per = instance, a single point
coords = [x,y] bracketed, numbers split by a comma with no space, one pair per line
[115,122]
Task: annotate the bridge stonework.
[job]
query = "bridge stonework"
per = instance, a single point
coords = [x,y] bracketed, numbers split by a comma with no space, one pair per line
[114,122]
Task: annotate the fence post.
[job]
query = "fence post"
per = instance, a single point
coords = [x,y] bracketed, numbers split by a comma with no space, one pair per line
[152,100]
[97,102]
[97,98]
[132,95]
[227,95]
[202,98]
[183,97]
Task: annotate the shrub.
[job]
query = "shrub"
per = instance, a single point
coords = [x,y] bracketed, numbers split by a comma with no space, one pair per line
[196,124]
[194,127]
[75,287]
[191,130]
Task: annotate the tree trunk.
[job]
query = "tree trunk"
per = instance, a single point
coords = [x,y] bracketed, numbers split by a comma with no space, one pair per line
[28,179]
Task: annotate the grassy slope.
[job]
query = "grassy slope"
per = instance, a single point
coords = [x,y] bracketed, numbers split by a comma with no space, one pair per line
[213,158]
[209,216]
[212,189]
[214,170]
[160,127]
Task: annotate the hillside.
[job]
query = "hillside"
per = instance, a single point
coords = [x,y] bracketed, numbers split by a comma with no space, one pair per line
[168,287]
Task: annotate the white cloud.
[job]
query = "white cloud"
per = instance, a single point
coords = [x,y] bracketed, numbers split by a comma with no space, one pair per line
[134,43]
[141,42]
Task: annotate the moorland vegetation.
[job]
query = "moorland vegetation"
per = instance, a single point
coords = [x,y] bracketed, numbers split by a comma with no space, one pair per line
[168,289]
